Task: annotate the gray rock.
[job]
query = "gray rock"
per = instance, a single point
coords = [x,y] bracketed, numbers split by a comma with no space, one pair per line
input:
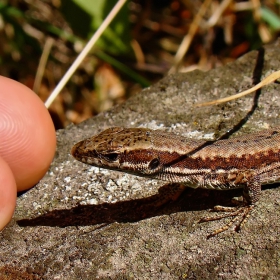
[82,222]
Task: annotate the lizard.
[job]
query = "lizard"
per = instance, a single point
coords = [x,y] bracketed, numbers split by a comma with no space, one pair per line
[245,162]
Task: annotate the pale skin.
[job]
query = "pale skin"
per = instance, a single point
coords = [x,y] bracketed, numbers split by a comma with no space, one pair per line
[27,143]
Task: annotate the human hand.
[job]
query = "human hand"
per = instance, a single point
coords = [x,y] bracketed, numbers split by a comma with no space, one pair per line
[27,143]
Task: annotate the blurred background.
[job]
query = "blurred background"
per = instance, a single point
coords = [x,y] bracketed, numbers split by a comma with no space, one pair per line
[147,40]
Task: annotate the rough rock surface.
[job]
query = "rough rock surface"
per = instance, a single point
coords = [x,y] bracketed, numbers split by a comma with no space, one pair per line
[81,222]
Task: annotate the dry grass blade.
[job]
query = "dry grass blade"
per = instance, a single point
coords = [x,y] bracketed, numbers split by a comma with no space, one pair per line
[218,13]
[189,37]
[271,78]
[84,52]
[42,64]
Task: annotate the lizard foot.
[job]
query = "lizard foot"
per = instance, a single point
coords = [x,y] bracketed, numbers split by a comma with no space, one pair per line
[242,212]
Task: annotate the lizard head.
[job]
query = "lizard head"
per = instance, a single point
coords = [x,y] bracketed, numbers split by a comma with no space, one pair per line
[122,149]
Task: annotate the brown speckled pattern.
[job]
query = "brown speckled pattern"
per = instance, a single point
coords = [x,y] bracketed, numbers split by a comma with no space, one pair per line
[242,162]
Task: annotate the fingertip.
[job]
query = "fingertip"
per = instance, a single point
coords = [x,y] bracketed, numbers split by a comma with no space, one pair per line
[8,194]
[27,133]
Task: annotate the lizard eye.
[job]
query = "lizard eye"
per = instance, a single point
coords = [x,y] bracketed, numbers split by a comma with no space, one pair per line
[111,156]
[154,163]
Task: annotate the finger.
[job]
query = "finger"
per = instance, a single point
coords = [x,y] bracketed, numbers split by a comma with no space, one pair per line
[27,133]
[8,194]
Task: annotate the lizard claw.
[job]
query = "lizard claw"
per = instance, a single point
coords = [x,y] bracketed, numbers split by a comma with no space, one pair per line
[242,212]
